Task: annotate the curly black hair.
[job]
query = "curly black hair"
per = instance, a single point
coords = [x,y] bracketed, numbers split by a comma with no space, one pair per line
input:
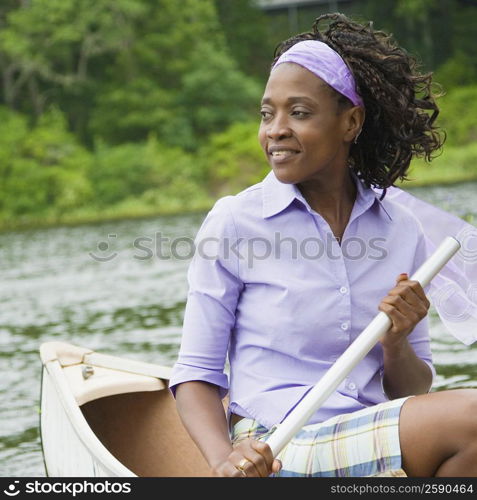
[399,101]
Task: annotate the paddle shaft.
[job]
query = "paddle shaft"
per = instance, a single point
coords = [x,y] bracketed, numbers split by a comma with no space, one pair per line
[313,400]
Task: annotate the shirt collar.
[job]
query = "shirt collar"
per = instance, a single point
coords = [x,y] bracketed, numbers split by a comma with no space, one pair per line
[277,196]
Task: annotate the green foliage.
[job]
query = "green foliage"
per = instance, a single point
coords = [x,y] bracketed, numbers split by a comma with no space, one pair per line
[46,175]
[415,8]
[43,168]
[459,70]
[13,131]
[211,95]
[458,116]
[234,159]
[137,109]
[119,172]
[122,69]
[55,47]
[217,94]
[152,86]
[147,172]
[248,32]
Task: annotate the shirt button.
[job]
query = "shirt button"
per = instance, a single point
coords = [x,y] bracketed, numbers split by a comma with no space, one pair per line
[343,289]
[344,326]
[352,386]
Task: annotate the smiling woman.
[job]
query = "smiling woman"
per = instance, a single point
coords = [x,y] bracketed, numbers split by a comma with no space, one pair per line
[343,113]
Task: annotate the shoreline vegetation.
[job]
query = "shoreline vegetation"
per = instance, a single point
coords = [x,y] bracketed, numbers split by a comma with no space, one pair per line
[420,175]
[55,181]
[51,179]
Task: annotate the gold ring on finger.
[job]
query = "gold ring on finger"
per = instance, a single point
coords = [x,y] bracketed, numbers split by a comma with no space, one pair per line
[241,466]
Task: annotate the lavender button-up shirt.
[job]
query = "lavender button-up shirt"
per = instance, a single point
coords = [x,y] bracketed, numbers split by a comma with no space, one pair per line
[273,294]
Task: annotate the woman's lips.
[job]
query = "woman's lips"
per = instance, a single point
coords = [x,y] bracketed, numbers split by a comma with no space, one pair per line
[282,155]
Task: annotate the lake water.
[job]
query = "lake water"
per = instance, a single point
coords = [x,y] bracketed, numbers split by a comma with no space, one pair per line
[120,288]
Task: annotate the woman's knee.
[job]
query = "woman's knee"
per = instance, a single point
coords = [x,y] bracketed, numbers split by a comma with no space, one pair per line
[436,426]
[462,406]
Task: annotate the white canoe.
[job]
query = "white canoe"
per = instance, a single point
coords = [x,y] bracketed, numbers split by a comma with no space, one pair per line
[109,416]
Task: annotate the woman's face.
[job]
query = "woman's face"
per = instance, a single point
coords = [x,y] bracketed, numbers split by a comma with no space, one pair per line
[304,133]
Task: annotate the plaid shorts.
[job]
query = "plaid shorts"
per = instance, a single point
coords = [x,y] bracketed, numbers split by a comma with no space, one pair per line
[360,444]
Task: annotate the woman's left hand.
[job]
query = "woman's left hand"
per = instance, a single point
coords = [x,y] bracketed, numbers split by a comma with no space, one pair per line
[406,304]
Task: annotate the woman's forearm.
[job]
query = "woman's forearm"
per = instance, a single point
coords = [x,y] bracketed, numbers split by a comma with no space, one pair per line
[404,372]
[202,413]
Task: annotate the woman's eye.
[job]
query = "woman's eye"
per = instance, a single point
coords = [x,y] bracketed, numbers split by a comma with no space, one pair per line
[299,113]
[265,114]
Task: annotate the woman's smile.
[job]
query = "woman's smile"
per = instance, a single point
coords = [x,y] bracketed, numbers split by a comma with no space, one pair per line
[282,154]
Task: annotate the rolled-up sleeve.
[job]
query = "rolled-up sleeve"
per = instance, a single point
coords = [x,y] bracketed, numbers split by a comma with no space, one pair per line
[214,290]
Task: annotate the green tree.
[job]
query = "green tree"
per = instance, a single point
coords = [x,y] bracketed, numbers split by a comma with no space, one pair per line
[217,94]
[249,35]
[121,69]
[51,47]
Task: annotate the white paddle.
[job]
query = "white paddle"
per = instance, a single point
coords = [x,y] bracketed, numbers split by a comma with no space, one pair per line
[300,415]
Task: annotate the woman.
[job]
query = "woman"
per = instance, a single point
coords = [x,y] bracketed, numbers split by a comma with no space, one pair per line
[291,270]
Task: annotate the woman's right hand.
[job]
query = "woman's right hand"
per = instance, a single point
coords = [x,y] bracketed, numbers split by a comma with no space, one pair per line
[249,458]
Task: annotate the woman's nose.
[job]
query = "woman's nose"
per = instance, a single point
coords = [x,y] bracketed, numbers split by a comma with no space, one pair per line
[278,128]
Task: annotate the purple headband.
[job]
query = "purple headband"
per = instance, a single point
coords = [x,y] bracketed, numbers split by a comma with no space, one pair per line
[325,63]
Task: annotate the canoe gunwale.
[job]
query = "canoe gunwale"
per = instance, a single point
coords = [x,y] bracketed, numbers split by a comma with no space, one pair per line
[69,355]
[127,365]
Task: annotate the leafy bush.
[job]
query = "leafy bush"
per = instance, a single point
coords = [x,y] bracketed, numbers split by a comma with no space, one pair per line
[233,160]
[44,169]
[456,72]
[149,172]
[458,115]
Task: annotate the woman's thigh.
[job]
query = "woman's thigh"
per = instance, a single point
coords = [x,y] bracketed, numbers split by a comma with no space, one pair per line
[435,427]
